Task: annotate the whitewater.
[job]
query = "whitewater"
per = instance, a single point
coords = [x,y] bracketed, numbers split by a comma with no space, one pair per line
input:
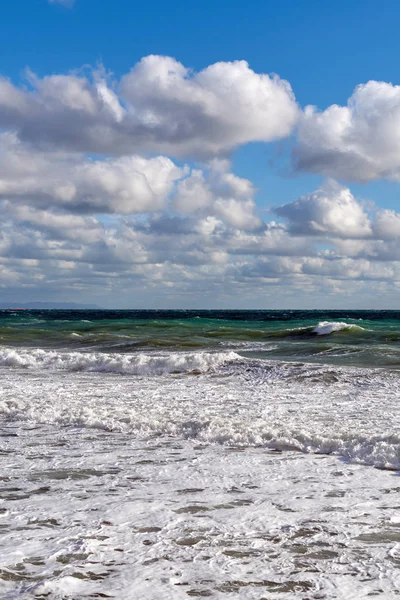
[213,457]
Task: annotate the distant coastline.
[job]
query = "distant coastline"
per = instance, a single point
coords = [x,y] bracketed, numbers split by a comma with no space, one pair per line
[47,306]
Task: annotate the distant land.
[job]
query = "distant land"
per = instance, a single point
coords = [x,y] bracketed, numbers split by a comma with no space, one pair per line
[49,305]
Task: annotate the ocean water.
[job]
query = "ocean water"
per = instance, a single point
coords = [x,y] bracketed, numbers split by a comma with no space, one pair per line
[189,454]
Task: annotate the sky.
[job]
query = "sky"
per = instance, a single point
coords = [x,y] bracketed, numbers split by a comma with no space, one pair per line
[206,155]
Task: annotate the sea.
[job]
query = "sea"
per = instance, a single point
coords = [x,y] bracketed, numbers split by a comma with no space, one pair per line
[182,454]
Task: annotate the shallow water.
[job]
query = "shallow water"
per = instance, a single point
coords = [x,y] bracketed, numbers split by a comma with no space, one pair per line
[211,471]
[89,514]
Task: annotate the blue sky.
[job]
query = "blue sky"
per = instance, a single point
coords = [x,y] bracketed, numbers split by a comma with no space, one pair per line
[323,49]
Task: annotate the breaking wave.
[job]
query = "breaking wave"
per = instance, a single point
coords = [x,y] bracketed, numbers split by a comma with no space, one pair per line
[378,450]
[328,327]
[129,364]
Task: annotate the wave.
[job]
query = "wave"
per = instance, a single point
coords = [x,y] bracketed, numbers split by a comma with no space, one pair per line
[378,450]
[328,327]
[381,451]
[130,364]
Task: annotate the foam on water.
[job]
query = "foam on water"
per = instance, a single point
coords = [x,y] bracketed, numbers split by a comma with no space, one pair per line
[307,408]
[104,516]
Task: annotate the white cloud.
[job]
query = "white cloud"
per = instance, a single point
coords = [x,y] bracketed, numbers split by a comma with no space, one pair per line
[207,113]
[193,193]
[222,194]
[331,210]
[57,225]
[129,184]
[52,235]
[124,185]
[359,141]
[90,198]
[331,215]
[387,225]
[160,106]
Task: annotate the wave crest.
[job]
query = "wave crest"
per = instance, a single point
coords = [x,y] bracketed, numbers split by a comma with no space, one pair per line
[129,364]
[328,327]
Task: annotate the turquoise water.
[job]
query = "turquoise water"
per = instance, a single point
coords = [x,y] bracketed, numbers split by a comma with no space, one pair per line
[358,338]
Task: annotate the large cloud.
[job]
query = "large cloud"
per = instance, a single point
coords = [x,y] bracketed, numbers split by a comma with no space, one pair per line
[160,106]
[332,214]
[186,252]
[224,106]
[120,185]
[194,229]
[92,202]
[123,185]
[359,142]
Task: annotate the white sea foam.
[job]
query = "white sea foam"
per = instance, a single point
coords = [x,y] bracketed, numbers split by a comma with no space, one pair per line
[111,516]
[327,327]
[249,346]
[160,486]
[132,364]
[308,408]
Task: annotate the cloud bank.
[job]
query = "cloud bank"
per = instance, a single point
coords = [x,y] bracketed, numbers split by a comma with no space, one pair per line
[124,190]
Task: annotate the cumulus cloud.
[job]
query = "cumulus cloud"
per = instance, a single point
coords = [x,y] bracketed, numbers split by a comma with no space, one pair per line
[159,106]
[222,194]
[373,250]
[224,106]
[93,195]
[93,224]
[359,141]
[331,210]
[58,226]
[124,185]
[334,268]
[387,225]
[358,243]
[333,214]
